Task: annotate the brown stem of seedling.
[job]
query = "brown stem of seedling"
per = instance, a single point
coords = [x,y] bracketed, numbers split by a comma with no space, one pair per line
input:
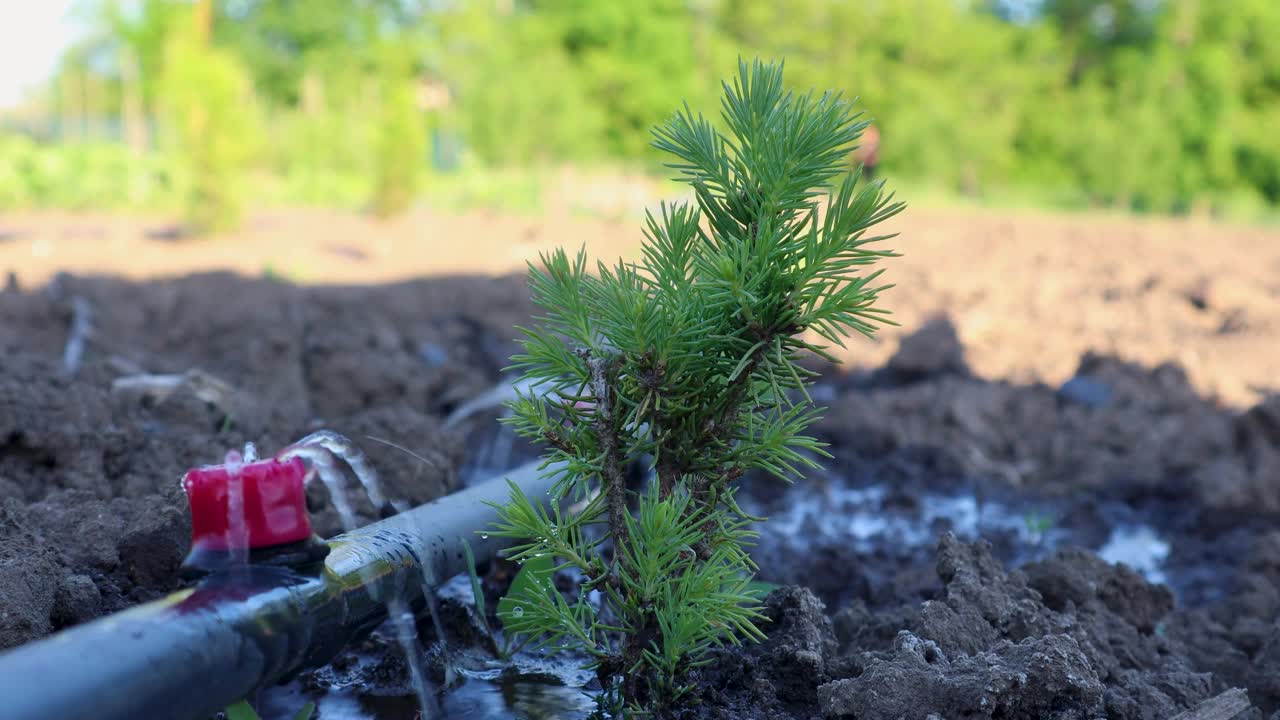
[612,475]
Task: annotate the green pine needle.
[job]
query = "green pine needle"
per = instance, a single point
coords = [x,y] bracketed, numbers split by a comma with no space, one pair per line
[689,357]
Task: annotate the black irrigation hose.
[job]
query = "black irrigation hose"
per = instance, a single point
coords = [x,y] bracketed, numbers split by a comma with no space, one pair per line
[199,650]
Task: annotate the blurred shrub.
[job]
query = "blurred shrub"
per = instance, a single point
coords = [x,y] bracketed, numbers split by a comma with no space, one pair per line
[81,176]
[1160,105]
[520,99]
[320,156]
[212,130]
[400,152]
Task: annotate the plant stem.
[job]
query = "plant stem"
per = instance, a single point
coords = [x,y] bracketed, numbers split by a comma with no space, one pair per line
[703,484]
[612,476]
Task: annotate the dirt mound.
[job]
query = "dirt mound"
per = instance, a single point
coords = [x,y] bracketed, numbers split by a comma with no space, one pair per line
[1028,292]
[950,631]
[1069,637]
[1113,422]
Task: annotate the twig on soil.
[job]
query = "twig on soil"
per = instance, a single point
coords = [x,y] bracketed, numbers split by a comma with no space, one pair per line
[81,329]
[203,385]
[495,398]
[1227,706]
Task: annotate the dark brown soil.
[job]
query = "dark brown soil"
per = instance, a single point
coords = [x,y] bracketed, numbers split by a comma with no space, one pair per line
[1030,292]
[1068,637]
[973,621]
[908,631]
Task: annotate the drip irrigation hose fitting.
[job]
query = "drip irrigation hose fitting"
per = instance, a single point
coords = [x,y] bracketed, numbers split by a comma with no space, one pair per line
[249,513]
[187,656]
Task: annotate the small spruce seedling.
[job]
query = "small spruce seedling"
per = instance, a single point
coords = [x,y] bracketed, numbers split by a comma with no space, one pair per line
[689,358]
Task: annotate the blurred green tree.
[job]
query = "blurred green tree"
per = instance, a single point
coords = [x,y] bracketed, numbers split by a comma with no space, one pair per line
[1158,105]
[207,100]
[400,153]
[520,99]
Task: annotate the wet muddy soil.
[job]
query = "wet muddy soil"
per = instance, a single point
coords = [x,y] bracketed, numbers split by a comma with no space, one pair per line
[1106,548]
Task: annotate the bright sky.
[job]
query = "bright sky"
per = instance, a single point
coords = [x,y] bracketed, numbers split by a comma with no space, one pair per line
[33,34]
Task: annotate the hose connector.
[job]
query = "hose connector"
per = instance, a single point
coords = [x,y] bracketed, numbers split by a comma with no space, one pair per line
[254,512]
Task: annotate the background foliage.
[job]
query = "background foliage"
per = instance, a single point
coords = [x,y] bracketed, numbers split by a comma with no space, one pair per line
[1152,105]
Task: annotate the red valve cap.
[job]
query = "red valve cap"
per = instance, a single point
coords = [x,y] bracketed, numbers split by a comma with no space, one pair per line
[273,503]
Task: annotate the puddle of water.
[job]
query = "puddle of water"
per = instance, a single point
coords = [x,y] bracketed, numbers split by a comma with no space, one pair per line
[865,519]
[859,514]
[507,698]
[1140,548]
[363,687]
